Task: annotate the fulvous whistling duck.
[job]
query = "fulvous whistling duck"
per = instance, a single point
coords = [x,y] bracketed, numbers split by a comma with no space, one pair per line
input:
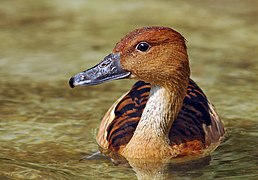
[165,114]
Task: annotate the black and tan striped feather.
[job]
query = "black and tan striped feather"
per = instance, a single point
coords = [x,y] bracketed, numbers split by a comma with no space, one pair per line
[197,119]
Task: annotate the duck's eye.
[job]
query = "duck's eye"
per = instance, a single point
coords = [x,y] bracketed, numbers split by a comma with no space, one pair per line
[143,46]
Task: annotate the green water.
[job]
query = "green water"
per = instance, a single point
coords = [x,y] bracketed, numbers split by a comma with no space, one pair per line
[46,127]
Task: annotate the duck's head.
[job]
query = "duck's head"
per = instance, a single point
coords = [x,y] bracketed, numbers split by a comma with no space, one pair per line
[156,55]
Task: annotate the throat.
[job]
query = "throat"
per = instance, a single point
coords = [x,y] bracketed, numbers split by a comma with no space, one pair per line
[159,113]
[151,134]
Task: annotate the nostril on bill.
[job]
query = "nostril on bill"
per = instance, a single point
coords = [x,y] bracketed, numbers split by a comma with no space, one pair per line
[82,77]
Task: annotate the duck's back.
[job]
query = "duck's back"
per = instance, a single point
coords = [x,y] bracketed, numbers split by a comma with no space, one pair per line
[196,127]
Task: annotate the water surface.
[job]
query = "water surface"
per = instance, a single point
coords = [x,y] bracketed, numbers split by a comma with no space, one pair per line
[46,127]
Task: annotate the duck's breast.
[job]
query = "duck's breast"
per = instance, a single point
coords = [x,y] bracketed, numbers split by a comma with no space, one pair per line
[121,120]
[197,124]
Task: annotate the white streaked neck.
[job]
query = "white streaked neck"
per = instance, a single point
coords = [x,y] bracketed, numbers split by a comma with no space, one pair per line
[150,138]
[159,113]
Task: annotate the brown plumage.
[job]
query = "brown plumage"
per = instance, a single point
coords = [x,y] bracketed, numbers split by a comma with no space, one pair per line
[164,115]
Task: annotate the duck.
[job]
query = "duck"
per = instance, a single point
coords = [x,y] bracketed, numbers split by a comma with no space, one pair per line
[165,115]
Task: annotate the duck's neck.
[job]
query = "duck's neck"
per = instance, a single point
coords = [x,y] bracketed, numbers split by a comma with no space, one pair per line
[157,118]
[158,115]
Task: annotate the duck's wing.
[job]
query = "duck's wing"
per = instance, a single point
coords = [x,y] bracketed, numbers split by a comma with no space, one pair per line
[197,125]
[119,123]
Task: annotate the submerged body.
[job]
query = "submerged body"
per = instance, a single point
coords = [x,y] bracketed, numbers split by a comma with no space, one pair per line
[165,114]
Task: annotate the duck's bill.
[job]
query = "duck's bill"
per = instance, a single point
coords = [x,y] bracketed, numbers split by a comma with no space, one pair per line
[108,69]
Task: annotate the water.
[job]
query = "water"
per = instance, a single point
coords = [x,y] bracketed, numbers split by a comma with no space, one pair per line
[46,127]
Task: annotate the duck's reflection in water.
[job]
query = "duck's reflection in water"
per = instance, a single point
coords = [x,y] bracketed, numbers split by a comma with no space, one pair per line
[157,169]
[167,170]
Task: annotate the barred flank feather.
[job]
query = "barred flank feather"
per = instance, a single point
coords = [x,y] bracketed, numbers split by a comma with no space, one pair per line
[197,120]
